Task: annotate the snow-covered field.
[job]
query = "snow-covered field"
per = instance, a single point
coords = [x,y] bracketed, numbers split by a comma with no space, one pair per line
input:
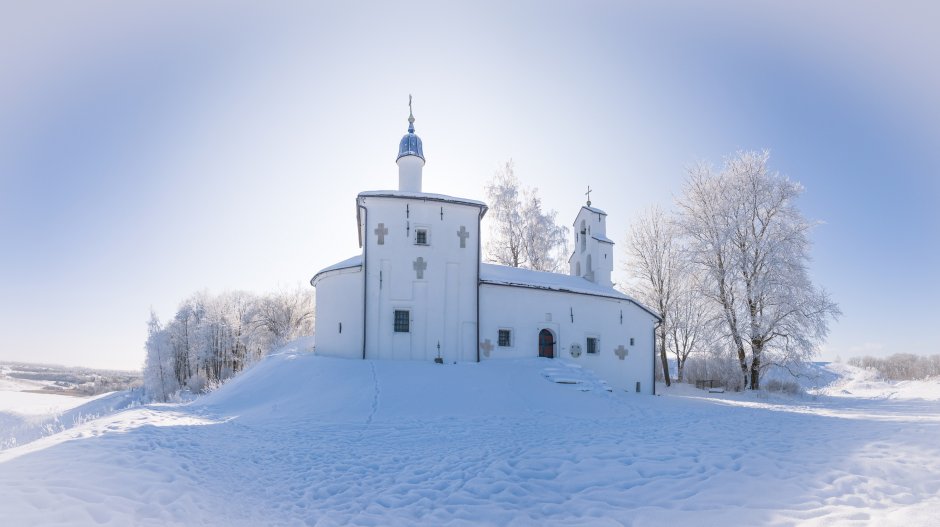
[305,440]
[26,413]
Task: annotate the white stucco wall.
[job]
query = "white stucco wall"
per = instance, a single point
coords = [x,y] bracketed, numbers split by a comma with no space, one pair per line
[441,301]
[527,311]
[339,314]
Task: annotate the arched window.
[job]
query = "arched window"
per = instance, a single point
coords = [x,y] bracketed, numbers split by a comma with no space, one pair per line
[583,236]
[577,268]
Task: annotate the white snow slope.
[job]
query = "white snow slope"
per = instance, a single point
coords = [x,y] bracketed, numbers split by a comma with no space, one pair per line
[306,440]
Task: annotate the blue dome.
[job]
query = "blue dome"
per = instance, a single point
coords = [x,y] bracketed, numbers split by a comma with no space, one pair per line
[410,145]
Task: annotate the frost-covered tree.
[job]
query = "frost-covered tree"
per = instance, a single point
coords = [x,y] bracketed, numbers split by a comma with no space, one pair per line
[654,263]
[693,327]
[287,314]
[521,233]
[158,365]
[749,242]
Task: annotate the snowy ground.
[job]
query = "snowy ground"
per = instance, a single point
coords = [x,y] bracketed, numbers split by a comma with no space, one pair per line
[26,414]
[304,440]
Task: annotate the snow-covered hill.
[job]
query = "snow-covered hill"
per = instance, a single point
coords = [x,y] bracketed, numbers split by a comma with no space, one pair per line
[305,440]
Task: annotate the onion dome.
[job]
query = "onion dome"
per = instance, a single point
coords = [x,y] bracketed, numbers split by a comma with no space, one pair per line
[410,144]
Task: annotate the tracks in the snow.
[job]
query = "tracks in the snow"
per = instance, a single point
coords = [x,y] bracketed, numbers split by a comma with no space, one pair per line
[375,395]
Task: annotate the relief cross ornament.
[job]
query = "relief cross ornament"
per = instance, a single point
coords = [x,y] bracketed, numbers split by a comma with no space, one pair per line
[487,347]
[381,231]
[419,266]
[620,352]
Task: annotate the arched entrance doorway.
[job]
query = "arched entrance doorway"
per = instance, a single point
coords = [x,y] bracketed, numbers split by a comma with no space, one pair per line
[546,344]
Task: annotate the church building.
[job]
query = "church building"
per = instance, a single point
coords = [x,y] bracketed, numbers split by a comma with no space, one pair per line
[420,290]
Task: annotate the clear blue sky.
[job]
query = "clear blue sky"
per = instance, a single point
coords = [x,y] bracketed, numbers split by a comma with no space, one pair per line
[150,150]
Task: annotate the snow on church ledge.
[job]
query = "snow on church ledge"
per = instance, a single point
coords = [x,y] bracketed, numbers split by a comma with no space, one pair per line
[349,263]
[518,277]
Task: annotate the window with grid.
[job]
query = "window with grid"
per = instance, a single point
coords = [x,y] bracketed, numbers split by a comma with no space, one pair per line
[505,338]
[402,321]
[592,345]
[421,237]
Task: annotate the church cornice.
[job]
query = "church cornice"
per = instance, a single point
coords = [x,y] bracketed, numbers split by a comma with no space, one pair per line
[423,196]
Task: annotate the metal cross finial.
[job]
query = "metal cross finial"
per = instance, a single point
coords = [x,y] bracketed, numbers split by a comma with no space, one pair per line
[411,116]
[588,194]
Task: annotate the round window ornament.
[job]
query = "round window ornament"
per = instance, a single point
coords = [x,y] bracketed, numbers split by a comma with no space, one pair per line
[575,350]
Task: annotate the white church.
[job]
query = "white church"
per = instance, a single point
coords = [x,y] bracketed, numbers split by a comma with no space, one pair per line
[420,290]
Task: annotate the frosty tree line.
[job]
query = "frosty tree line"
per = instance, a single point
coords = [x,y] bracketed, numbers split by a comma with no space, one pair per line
[213,337]
[726,271]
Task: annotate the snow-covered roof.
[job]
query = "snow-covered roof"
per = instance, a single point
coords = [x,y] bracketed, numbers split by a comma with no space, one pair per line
[595,210]
[602,238]
[514,276]
[423,196]
[355,261]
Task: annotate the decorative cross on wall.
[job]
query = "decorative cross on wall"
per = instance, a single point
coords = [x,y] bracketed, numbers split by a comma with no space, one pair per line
[419,266]
[620,352]
[381,231]
[463,234]
[487,347]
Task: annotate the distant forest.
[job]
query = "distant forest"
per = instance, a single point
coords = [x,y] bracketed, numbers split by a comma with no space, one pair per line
[71,380]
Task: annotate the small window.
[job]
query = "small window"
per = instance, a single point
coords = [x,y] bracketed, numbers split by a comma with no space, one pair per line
[631,341]
[505,338]
[402,321]
[592,345]
[421,236]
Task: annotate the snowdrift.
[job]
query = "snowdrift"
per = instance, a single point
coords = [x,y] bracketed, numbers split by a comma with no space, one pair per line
[305,440]
[335,390]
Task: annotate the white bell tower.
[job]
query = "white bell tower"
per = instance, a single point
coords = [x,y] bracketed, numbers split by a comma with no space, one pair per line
[593,256]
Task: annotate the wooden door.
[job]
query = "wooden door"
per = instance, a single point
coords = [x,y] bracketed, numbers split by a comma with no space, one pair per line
[546,344]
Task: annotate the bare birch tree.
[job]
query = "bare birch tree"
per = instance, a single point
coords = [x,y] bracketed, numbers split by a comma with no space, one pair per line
[158,365]
[750,241]
[655,264]
[521,233]
[693,321]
